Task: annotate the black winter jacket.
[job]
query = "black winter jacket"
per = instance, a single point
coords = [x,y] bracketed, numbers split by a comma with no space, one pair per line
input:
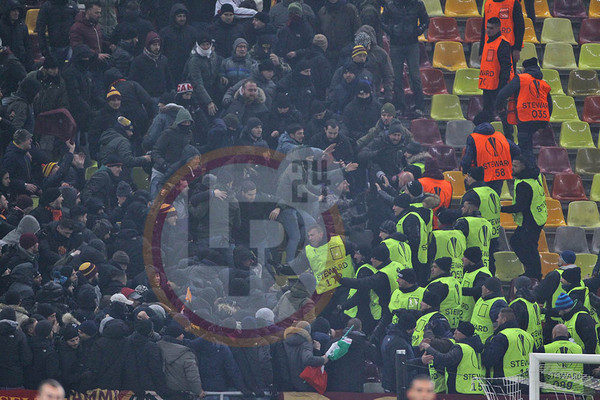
[16,355]
[404,21]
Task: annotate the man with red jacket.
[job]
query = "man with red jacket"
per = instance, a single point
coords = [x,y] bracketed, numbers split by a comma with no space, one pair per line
[86,30]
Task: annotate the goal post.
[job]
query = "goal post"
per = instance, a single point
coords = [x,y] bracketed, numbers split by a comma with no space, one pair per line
[535,359]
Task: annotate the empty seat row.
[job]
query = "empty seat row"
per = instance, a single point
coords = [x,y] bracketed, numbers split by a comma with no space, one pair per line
[555,160]
[446,29]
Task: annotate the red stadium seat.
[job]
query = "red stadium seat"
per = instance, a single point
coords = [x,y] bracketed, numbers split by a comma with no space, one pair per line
[473,30]
[443,28]
[569,9]
[554,160]
[475,107]
[426,131]
[589,31]
[445,157]
[591,109]
[568,187]
[433,81]
[544,137]
[423,56]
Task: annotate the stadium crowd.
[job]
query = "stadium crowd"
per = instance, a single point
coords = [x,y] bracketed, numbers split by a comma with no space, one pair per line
[140,251]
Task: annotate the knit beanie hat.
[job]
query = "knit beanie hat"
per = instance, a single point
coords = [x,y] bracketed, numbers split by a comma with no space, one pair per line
[295,8]
[563,302]
[522,282]
[231,121]
[473,254]
[28,240]
[413,148]
[266,65]
[402,201]
[266,314]
[89,328]
[408,275]
[24,201]
[43,328]
[49,195]
[466,328]
[415,188]
[174,329]
[113,94]
[572,275]
[406,320]
[493,284]
[388,227]
[530,62]
[388,108]
[321,41]
[88,269]
[444,263]
[362,38]
[262,17]
[143,327]
[123,189]
[47,168]
[431,298]
[70,331]
[568,256]
[381,253]
[226,8]
[358,50]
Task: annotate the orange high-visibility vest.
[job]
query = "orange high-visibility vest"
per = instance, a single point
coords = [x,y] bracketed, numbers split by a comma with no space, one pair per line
[443,189]
[489,72]
[532,102]
[493,154]
[504,11]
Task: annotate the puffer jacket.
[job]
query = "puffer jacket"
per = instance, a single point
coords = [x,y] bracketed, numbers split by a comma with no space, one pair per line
[16,355]
[203,73]
[404,21]
[113,141]
[15,34]
[299,350]
[180,366]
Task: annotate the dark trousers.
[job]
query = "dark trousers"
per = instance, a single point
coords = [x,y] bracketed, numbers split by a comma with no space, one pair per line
[525,135]
[410,53]
[524,242]
[489,110]
[496,186]
[494,244]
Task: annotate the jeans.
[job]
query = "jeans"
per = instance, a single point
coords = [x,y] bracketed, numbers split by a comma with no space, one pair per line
[411,54]
[524,242]
[292,219]
[155,179]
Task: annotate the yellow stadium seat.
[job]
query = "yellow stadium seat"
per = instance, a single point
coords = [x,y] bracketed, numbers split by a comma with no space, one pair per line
[552,77]
[563,109]
[584,214]
[446,107]
[559,56]
[545,183]
[140,178]
[449,56]
[505,194]
[586,262]
[461,8]
[549,262]
[589,56]
[506,220]
[555,214]
[89,171]
[457,179]
[583,83]
[529,36]
[542,242]
[576,135]
[595,190]
[594,9]
[31,19]
[508,266]
[36,201]
[498,127]
[557,30]
[466,82]
[541,9]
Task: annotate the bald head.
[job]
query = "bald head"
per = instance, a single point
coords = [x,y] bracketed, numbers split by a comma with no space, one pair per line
[560,330]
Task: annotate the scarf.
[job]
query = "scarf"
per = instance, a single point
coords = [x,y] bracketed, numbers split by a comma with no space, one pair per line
[151,55]
[201,52]
[56,214]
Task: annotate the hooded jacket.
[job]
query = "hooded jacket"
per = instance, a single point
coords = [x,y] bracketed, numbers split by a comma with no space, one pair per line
[163,120]
[217,366]
[20,106]
[180,365]
[15,34]
[294,35]
[299,350]
[53,93]
[203,73]
[56,18]
[395,339]
[268,86]
[101,185]
[152,74]
[224,35]
[18,164]
[169,146]
[378,63]
[144,366]
[131,19]
[470,156]
[338,22]
[383,155]
[360,115]
[115,141]
[179,41]
[279,13]
[348,375]
[108,357]
[16,354]
[84,31]
[299,88]
[45,362]
[245,110]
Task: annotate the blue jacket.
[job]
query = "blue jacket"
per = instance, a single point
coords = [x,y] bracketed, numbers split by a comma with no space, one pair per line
[470,157]
[218,369]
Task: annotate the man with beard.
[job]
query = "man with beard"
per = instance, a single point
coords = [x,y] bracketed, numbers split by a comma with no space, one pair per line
[86,30]
[53,92]
[248,102]
[179,38]
[384,153]
[150,69]
[332,134]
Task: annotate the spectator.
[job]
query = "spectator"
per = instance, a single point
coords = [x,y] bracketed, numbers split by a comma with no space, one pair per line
[55,19]
[248,102]
[49,208]
[296,34]
[103,183]
[299,348]
[263,76]
[150,69]
[17,354]
[224,30]
[20,105]
[362,112]
[179,38]
[131,20]
[105,119]
[203,71]
[17,162]
[125,49]
[239,66]
[53,91]
[299,88]
[338,20]
[15,34]
[87,30]
[45,362]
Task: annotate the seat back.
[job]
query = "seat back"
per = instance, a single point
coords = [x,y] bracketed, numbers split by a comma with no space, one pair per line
[584,214]
[544,137]
[474,60]
[89,171]
[568,187]
[594,8]
[449,56]
[589,31]
[587,161]
[503,244]
[552,77]
[570,238]
[434,8]
[549,262]
[576,135]
[140,178]
[588,56]
[552,160]
[446,107]
[557,30]
[595,189]
[31,20]
[559,56]
[507,220]
[433,81]
[569,9]
[457,132]
[466,82]
[473,30]
[591,109]
[505,192]
[583,83]
[596,241]
[445,156]
[457,179]
[528,51]
[563,109]
[461,8]
[556,217]
[542,242]
[541,8]
[586,262]
[426,131]
[443,28]
[508,266]
[529,35]
[475,107]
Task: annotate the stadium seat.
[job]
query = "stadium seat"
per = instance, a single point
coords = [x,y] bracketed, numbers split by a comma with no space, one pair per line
[541,9]
[549,262]
[474,59]
[563,109]
[544,137]
[556,217]
[569,9]
[31,19]
[583,83]
[545,184]
[449,56]
[433,81]
[508,266]
[589,56]
[473,30]
[505,193]
[506,220]
[445,156]
[457,179]
[461,8]
[552,77]
[434,8]
[423,56]
[584,214]
[529,36]
[466,82]
[568,187]
[559,56]
[557,30]
[443,28]
[543,242]
[589,31]
[576,135]
[498,127]
[426,131]
[457,132]
[89,171]
[587,161]
[595,189]
[591,109]
[596,241]
[594,8]
[528,51]
[503,244]
[475,107]
[140,178]
[446,107]
[553,160]
[422,38]
[586,262]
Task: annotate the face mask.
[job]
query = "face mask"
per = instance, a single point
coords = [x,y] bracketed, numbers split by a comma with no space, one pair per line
[204,53]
